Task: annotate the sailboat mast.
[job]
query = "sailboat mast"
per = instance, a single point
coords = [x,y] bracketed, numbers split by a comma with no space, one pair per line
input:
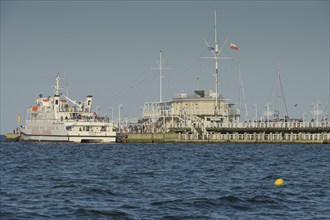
[280,93]
[278,89]
[239,87]
[242,92]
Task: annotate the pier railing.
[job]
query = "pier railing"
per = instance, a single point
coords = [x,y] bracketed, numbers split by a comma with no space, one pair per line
[170,113]
[242,125]
[261,137]
[263,124]
[293,131]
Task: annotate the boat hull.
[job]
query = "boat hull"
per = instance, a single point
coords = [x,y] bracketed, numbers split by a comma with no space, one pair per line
[68,138]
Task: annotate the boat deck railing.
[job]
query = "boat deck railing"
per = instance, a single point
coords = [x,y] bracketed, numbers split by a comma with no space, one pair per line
[104,120]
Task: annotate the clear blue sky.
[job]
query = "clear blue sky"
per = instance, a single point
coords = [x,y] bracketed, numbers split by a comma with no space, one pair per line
[107,49]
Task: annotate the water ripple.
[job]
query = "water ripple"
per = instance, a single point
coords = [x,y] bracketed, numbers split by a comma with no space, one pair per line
[164,181]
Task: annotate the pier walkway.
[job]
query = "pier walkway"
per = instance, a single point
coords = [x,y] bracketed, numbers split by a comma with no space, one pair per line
[245,132]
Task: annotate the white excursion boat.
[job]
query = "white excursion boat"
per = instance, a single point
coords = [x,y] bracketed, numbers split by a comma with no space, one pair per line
[62,119]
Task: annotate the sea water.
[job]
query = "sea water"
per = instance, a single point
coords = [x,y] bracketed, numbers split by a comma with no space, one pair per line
[164,181]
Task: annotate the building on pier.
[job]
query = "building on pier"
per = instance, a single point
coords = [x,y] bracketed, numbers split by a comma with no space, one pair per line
[196,110]
[201,108]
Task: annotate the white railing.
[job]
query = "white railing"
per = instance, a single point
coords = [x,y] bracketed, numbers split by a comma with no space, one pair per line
[289,125]
[289,137]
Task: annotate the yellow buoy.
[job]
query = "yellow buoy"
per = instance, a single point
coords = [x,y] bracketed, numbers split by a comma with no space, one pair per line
[279,182]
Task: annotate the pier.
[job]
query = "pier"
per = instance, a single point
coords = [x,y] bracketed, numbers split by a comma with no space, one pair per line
[246,132]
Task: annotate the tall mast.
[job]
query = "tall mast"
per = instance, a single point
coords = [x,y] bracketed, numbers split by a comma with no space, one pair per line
[242,91]
[160,68]
[278,96]
[280,92]
[57,85]
[216,62]
[239,87]
[278,89]
[160,76]
[216,56]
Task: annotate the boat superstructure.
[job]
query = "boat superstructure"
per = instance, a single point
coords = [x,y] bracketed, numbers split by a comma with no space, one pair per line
[59,118]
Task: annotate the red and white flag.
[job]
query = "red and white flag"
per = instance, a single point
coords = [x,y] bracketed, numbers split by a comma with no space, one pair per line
[233,47]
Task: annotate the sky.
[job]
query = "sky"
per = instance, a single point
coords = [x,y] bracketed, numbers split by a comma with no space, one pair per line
[108,49]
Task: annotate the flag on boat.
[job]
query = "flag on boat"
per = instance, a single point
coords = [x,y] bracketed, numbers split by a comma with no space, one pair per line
[233,46]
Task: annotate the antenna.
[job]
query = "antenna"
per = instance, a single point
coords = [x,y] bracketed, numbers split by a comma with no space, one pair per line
[160,68]
[57,85]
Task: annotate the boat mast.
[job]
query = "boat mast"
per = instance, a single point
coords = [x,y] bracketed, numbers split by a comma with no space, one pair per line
[278,96]
[316,112]
[57,85]
[280,92]
[242,91]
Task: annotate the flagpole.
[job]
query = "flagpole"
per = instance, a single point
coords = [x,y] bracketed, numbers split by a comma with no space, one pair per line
[216,52]
[216,63]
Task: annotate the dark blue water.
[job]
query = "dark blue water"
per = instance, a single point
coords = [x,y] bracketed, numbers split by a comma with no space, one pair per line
[164,181]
